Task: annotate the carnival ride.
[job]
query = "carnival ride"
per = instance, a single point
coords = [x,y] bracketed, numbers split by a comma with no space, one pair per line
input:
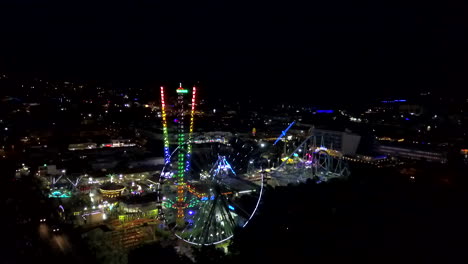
[283,133]
[310,160]
[204,204]
[62,186]
[214,205]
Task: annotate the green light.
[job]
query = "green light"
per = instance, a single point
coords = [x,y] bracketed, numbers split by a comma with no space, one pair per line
[58,194]
[153,212]
[45,165]
[182,91]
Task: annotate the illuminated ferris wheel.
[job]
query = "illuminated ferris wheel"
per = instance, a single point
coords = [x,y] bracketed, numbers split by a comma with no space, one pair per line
[214,204]
[203,204]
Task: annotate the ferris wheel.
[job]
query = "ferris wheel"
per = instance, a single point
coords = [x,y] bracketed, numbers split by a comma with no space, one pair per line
[214,199]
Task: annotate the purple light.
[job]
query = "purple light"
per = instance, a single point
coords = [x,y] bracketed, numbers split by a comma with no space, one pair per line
[176,120]
[190,212]
[325,111]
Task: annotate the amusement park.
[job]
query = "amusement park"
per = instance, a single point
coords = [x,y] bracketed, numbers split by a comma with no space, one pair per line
[201,191]
[225,132]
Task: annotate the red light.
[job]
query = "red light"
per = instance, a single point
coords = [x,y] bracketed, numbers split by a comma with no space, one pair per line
[108,145]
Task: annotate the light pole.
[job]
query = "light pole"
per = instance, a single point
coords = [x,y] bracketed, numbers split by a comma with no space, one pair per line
[250,166]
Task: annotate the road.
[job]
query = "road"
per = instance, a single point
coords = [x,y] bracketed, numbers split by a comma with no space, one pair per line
[58,241]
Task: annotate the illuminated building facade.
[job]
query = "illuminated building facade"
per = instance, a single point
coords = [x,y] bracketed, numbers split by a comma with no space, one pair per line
[412,153]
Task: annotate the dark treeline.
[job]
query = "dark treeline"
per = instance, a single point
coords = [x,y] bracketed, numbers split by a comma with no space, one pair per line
[376,216]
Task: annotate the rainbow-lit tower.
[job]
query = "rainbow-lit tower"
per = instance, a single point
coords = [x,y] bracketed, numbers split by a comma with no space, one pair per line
[183,144]
[167,155]
[180,176]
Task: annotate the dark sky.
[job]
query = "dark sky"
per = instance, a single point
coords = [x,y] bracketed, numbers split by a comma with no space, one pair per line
[310,49]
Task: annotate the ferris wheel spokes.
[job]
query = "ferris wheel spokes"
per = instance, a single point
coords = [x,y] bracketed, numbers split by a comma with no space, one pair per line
[213,206]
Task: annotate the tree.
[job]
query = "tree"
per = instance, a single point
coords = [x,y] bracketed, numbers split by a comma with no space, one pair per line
[156,252]
[209,254]
[103,249]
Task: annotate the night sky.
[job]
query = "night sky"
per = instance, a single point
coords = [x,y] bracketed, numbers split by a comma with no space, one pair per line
[327,50]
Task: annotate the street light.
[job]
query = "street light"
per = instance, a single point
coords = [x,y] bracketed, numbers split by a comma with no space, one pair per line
[262,145]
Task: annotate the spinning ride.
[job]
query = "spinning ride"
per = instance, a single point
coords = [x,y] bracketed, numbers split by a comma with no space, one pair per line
[310,160]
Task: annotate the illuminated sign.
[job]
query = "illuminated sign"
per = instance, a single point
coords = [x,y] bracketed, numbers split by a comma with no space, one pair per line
[181,90]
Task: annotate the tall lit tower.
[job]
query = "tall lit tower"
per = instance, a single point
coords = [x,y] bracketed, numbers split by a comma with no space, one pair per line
[180,180]
[184,146]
